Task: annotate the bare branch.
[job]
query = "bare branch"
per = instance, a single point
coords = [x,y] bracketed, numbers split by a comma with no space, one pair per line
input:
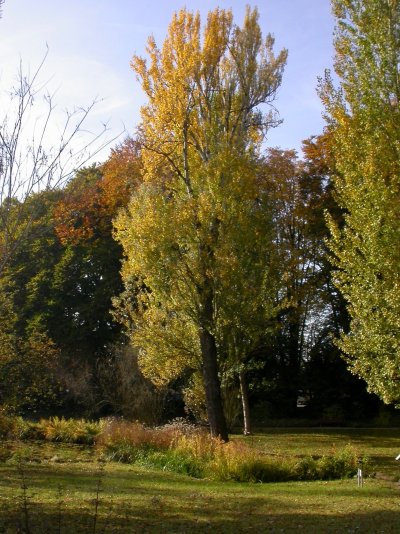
[29,162]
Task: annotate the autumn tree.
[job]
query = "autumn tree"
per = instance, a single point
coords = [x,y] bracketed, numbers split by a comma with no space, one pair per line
[363,115]
[195,233]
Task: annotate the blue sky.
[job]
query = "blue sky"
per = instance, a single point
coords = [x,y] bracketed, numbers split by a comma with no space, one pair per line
[91,43]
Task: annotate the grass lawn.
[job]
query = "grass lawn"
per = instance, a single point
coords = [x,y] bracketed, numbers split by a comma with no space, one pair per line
[63,482]
[381,445]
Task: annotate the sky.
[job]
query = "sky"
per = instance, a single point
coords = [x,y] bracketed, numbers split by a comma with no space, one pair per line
[91,43]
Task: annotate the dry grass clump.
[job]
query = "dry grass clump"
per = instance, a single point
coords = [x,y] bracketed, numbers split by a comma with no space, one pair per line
[79,431]
[135,434]
[189,450]
[174,446]
[122,440]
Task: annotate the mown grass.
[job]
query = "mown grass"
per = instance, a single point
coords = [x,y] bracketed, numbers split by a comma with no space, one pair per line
[63,482]
[136,500]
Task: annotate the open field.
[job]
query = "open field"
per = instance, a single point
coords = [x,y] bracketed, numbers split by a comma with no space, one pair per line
[67,484]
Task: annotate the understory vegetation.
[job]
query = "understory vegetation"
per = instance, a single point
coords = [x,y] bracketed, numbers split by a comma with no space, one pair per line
[184,448]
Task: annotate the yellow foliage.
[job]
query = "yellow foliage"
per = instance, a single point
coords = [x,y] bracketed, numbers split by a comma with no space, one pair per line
[195,234]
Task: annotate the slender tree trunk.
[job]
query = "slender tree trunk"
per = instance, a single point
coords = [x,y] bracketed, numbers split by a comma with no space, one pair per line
[244,392]
[215,412]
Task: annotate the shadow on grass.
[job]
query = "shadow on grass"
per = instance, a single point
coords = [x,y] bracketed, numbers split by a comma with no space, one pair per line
[159,518]
[132,500]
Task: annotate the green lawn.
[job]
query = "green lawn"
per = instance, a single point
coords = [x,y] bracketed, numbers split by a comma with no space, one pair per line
[382,445]
[62,484]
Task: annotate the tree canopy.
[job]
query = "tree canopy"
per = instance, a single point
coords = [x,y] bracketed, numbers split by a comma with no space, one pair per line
[363,116]
[195,234]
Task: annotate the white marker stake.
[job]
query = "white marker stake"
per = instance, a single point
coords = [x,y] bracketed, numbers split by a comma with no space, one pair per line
[360,480]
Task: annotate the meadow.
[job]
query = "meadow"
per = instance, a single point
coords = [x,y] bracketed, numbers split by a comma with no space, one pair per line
[57,487]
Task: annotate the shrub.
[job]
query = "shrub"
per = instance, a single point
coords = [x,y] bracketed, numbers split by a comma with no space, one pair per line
[172,460]
[306,469]
[342,464]
[7,424]
[27,430]
[163,446]
[118,432]
[235,461]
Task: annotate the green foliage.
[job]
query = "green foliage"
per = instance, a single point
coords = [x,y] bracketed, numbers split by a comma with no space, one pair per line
[7,424]
[28,374]
[55,298]
[363,116]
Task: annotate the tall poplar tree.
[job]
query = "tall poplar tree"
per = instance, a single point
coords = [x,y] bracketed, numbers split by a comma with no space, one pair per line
[364,118]
[195,234]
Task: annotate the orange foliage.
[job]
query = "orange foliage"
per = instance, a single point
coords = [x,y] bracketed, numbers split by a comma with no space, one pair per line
[96,194]
[122,173]
[318,152]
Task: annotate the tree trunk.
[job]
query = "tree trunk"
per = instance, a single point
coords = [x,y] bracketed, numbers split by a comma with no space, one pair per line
[244,392]
[215,412]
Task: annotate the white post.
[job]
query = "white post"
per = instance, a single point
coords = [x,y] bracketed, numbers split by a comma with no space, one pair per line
[360,480]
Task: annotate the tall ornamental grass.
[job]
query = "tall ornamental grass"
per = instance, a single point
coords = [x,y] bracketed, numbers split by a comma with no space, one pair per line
[183,448]
[189,450]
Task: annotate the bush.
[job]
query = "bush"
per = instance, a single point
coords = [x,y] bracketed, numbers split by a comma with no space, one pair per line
[343,464]
[27,430]
[7,424]
[235,461]
[164,447]
[122,440]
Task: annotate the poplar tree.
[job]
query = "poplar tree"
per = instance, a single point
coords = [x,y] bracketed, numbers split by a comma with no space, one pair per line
[195,234]
[364,118]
